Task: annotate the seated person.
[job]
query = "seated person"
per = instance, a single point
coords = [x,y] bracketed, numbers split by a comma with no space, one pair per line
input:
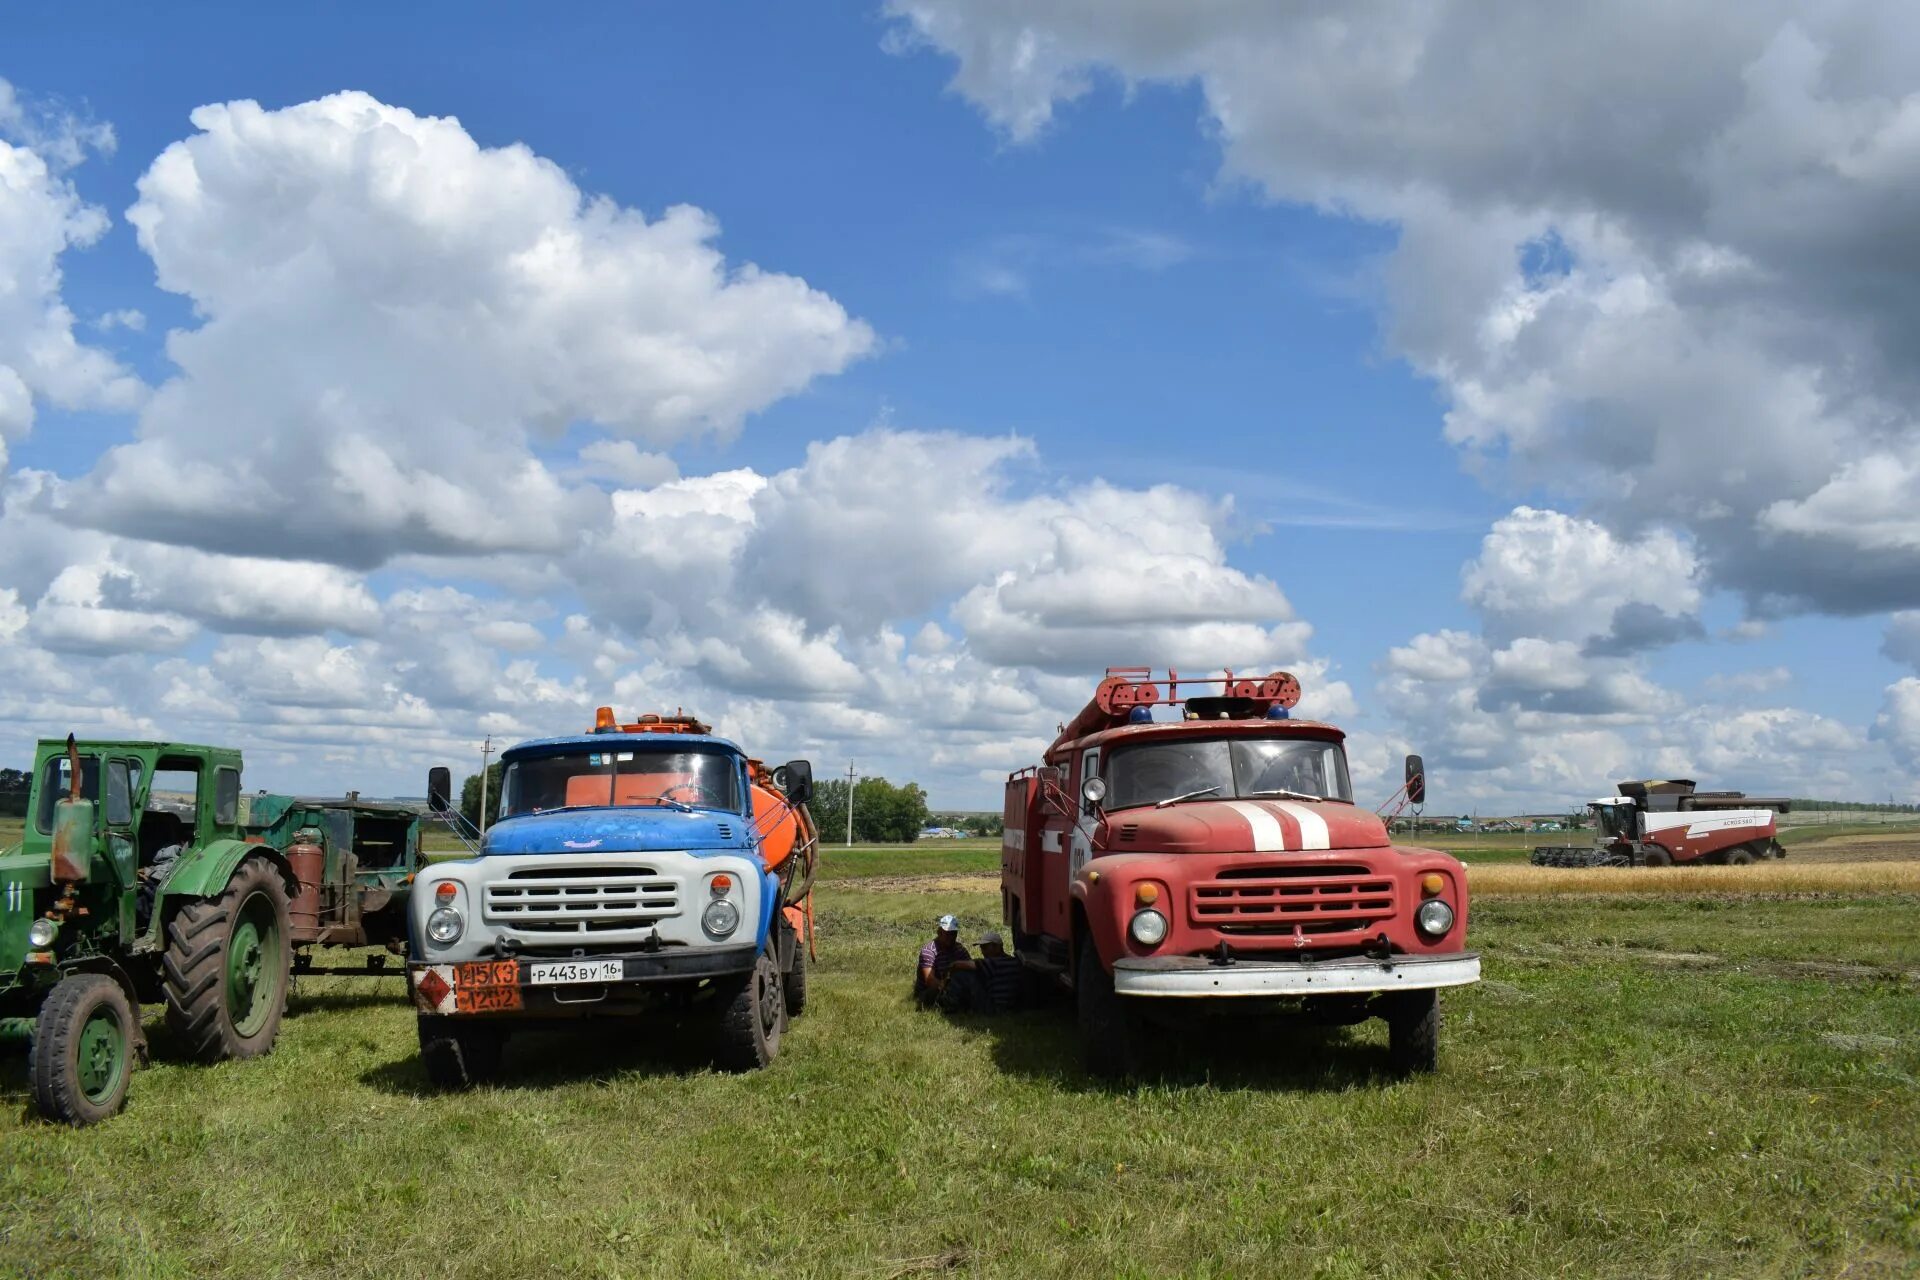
[937,958]
[999,981]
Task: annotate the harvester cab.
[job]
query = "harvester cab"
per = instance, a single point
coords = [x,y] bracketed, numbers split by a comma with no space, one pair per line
[642,866]
[1211,861]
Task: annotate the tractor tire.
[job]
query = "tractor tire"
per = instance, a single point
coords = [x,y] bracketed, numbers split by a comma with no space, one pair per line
[83,1050]
[1113,1038]
[459,1053]
[1413,1032]
[1740,856]
[753,1018]
[794,985]
[227,967]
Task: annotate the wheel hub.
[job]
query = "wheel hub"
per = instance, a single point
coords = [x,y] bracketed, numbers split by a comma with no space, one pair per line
[101,1053]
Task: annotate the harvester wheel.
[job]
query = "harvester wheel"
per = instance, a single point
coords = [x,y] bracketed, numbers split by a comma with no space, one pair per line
[1112,1036]
[1413,1032]
[459,1053]
[1658,857]
[1741,856]
[752,1020]
[227,967]
[83,1050]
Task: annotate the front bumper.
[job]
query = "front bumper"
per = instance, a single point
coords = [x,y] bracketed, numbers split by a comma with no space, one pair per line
[1195,977]
[506,986]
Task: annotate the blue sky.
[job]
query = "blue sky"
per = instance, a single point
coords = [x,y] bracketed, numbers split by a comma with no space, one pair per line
[1149,287]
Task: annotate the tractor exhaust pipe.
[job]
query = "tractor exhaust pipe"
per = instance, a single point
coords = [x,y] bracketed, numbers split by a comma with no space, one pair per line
[72,826]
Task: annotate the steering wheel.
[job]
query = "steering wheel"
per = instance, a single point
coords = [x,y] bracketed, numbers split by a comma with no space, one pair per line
[701,794]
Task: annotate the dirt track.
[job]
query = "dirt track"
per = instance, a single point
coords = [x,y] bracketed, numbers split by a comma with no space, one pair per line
[1899,847]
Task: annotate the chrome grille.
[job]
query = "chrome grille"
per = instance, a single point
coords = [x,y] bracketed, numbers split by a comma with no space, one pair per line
[1314,899]
[581,899]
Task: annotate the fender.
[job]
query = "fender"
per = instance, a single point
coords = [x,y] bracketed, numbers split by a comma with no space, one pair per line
[204,872]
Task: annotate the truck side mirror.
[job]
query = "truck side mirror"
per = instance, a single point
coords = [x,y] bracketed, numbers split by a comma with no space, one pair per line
[439,788]
[796,776]
[1416,780]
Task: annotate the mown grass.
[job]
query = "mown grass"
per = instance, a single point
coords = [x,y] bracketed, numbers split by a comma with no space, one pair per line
[1641,1087]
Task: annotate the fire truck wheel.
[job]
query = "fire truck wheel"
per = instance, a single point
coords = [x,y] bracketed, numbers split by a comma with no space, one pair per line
[1658,857]
[1413,1032]
[83,1050]
[458,1053]
[752,1020]
[1111,1035]
[227,967]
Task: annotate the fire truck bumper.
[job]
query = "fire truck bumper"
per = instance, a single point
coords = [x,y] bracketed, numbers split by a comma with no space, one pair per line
[1195,977]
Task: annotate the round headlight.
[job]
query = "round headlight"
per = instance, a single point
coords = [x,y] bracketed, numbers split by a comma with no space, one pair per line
[1434,917]
[1149,928]
[42,932]
[720,918]
[445,925]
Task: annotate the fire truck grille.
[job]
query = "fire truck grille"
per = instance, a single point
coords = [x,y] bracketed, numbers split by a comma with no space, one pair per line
[581,899]
[1315,899]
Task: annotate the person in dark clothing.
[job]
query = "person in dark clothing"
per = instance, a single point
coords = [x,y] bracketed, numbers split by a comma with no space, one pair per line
[1002,981]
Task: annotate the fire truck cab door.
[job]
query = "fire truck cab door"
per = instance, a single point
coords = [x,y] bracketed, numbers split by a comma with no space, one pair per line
[1080,834]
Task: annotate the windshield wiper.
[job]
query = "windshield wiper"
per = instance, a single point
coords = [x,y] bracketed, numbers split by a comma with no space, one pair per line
[1191,795]
[1282,791]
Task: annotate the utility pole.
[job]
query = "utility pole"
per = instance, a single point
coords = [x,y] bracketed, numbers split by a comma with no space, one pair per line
[486,754]
[850,804]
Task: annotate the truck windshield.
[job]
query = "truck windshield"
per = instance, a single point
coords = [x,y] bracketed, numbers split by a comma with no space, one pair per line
[1226,769]
[616,778]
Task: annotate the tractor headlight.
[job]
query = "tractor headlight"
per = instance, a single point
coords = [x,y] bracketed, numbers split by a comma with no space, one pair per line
[445,925]
[1434,917]
[720,918]
[42,932]
[1149,928]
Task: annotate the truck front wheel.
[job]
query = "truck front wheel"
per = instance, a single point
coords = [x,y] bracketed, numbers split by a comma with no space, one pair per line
[459,1053]
[227,964]
[753,1018]
[83,1050]
[1413,1032]
[1111,1035]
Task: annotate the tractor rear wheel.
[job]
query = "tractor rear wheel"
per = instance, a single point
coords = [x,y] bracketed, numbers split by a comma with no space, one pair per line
[459,1053]
[83,1050]
[1413,1032]
[1741,856]
[753,1018]
[227,964]
[1113,1037]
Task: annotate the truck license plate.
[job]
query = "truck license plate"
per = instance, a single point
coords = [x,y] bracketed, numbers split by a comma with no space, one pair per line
[560,972]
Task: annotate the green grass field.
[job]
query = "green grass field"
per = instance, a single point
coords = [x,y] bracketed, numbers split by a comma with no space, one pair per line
[1698,1085]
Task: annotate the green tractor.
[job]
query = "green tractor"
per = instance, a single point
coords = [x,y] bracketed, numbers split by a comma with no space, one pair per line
[139,881]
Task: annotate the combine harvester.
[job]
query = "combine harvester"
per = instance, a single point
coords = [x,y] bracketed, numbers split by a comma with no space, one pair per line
[642,868]
[1667,824]
[1213,864]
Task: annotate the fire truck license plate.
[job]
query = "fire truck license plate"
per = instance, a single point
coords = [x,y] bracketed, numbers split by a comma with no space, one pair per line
[561,972]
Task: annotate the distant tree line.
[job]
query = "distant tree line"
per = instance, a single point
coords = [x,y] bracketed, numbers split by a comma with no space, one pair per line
[14,786]
[882,812]
[974,824]
[1853,806]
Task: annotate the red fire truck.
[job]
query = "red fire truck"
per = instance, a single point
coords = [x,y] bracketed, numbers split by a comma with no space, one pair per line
[1211,861]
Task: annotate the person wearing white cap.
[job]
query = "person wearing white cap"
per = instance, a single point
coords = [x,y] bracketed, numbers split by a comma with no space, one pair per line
[937,960]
